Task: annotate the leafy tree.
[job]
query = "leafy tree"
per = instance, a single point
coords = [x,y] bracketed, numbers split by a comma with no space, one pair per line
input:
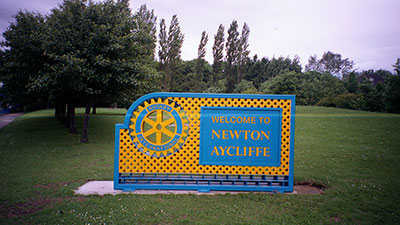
[245,87]
[372,97]
[201,53]
[346,101]
[397,66]
[163,52]
[314,64]
[185,79]
[232,54]
[392,94]
[145,28]
[351,83]
[243,55]
[316,86]
[331,63]
[170,50]
[218,53]
[285,83]
[22,61]
[309,88]
[93,55]
[261,70]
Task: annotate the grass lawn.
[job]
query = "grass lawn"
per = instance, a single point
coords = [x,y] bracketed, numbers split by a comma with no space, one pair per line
[356,155]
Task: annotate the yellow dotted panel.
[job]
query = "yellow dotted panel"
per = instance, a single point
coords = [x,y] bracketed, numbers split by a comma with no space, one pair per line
[186,160]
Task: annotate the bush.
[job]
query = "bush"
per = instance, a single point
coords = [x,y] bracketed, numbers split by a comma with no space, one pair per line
[345,101]
[245,87]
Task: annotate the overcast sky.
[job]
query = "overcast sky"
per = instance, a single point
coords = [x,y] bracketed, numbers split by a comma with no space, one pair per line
[365,31]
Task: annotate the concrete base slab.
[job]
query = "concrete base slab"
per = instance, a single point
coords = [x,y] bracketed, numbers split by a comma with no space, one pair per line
[107,187]
[98,188]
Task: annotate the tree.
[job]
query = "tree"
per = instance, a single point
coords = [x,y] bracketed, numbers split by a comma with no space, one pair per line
[201,53]
[22,61]
[315,86]
[351,83]
[145,27]
[245,87]
[331,63]
[170,50]
[232,54]
[218,53]
[285,83]
[163,53]
[392,94]
[259,71]
[397,66]
[93,54]
[243,55]
[313,64]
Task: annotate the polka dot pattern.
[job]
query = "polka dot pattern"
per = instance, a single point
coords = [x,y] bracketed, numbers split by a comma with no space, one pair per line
[186,160]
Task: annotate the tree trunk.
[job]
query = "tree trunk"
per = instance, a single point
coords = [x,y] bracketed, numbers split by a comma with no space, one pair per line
[85,129]
[57,110]
[71,115]
[63,112]
[94,108]
[67,116]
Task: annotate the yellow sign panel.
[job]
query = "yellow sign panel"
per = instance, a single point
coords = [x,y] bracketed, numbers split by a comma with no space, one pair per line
[164,136]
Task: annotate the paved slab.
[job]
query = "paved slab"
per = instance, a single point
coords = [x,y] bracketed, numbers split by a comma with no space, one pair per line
[107,187]
[6,119]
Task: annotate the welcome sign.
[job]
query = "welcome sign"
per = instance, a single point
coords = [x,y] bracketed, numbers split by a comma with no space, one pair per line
[206,142]
[240,136]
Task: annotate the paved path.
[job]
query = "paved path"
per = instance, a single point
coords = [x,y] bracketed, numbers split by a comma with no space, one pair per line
[6,119]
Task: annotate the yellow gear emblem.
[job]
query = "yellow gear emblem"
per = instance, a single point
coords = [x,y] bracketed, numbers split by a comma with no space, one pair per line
[159,128]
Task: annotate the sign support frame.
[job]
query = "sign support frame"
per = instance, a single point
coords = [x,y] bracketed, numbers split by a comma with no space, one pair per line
[131,181]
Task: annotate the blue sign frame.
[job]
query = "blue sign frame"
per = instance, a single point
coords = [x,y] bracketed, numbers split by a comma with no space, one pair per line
[203,182]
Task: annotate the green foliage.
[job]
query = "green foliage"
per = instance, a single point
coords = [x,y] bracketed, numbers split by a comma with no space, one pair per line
[232,53]
[331,63]
[315,86]
[200,62]
[245,87]
[22,61]
[392,94]
[351,83]
[346,101]
[218,53]
[237,59]
[309,87]
[145,28]
[396,66]
[92,49]
[170,51]
[243,54]
[186,79]
[217,87]
[260,70]
[285,83]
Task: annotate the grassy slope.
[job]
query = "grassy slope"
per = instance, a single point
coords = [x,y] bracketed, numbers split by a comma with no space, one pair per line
[355,154]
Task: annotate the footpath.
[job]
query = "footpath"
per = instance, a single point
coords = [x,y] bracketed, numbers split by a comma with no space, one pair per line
[8,118]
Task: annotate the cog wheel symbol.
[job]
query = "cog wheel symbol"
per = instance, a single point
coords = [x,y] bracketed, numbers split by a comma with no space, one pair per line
[159,128]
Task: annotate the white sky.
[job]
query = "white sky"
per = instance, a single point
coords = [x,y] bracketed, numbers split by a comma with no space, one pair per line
[366,31]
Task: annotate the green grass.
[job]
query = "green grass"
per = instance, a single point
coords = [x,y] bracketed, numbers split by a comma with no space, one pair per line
[356,155]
